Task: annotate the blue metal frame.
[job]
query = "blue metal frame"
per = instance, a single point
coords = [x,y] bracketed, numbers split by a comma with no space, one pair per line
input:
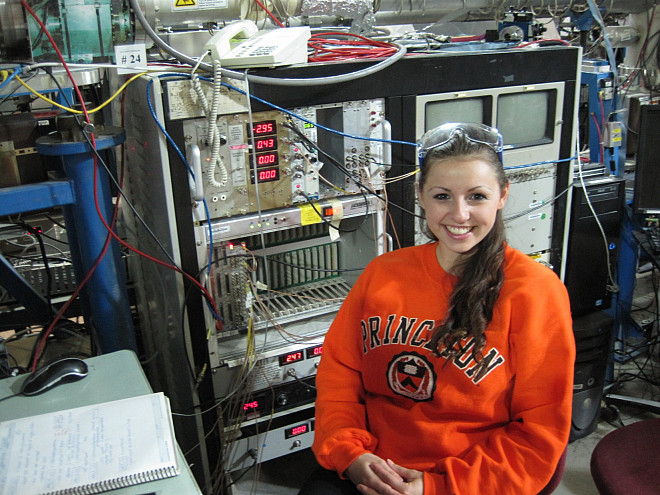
[610,156]
[32,197]
[37,306]
[104,298]
[627,260]
[19,199]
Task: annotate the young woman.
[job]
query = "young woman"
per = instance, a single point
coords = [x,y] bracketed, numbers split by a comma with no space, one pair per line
[449,367]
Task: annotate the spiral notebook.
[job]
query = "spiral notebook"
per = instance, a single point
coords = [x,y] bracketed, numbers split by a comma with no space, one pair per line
[89,449]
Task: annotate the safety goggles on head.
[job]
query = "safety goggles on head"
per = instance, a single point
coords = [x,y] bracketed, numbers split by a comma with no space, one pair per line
[476,133]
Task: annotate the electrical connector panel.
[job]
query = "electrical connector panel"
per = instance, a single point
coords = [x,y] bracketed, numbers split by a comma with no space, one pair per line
[276,160]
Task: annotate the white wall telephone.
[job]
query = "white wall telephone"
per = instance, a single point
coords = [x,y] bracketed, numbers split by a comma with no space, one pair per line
[269,48]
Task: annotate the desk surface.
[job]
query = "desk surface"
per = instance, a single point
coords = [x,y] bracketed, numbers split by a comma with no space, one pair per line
[113,376]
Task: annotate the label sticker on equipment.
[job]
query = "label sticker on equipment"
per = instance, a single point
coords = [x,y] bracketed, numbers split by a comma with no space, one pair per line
[179,5]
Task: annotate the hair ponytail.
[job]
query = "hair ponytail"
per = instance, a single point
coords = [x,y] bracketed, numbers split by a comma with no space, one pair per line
[480,278]
[480,272]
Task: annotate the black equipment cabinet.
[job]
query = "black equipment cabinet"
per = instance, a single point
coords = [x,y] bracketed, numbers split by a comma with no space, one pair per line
[593,336]
[591,259]
[168,304]
[453,71]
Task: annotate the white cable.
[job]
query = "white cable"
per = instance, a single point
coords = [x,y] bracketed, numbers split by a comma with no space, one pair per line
[216,163]
[257,198]
[350,76]
[197,87]
[215,102]
[211,119]
[213,134]
[612,287]
[199,91]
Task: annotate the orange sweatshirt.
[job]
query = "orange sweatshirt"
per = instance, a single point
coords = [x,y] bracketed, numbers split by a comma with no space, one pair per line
[381,390]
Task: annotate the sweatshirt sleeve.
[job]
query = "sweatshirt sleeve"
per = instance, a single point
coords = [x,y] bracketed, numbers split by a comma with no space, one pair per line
[520,456]
[340,434]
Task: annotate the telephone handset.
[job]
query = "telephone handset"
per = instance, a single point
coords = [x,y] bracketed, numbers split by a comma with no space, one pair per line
[221,42]
[269,48]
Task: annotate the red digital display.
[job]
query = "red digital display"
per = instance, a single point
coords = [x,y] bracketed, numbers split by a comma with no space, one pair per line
[263,128]
[265,159]
[266,174]
[292,357]
[294,431]
[251,406]
[314,351]
[265,144]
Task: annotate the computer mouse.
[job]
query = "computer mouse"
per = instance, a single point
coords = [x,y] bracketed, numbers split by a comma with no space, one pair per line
[61,371]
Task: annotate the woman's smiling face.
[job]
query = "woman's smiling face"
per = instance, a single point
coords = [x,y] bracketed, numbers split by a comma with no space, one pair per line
[461,198]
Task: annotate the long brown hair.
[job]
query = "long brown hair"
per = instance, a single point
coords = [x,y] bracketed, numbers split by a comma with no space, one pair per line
[480,273]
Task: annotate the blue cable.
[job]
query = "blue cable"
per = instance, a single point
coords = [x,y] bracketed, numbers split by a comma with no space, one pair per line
[192,174]
[300,117]
[514,167]
[287,112]
[14,73]
[292,114]
[595,13]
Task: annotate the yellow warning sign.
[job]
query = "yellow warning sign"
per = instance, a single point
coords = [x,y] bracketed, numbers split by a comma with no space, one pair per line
[185,3]
[308,215]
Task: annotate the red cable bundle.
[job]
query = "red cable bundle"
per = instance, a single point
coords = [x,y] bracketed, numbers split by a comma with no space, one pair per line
[331,49]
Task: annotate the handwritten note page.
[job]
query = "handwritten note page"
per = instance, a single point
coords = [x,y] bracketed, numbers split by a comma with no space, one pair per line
[97,447]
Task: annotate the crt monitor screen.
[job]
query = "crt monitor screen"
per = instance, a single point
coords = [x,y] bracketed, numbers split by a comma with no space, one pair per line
[458,110]
[526,118]
[646,198]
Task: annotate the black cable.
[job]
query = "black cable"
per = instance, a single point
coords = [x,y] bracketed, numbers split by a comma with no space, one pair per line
[321,270]
[187,293]
[310,201]
[55,222]
[62,324]
[17,335]
[334,161]
[292,373]
[128,202]
[49,278]
[49,70]
[542,205]
[16,367]
[50,258]
[60,225]
[54,239]
[144,224]
[11,93]
[243,473]
[9,397]
[314,146]
[5,369]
